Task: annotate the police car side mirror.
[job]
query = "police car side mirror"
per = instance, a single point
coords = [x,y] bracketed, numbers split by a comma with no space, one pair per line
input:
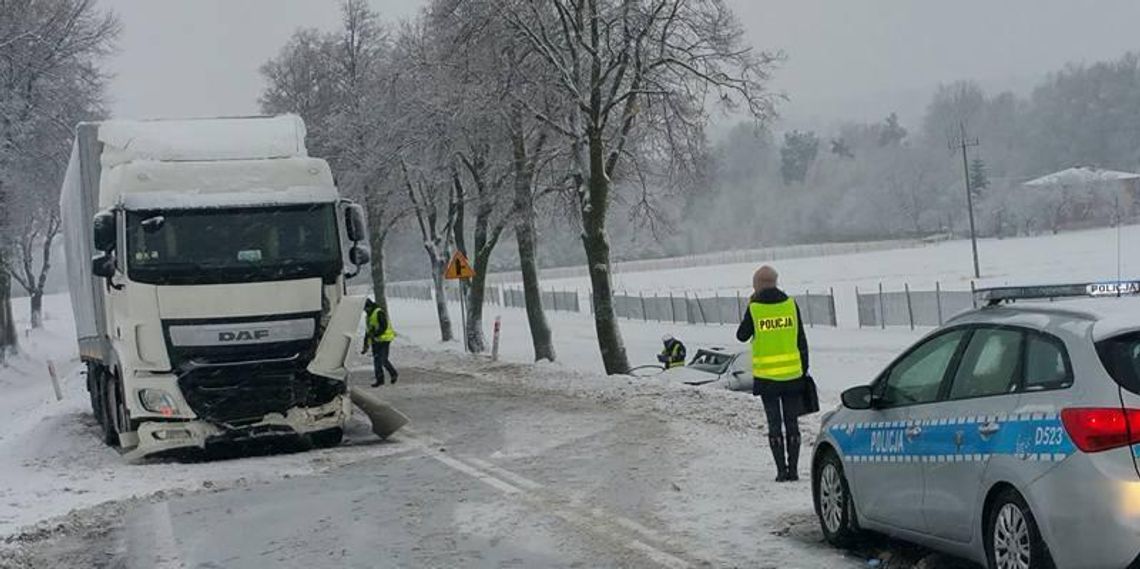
[857,398]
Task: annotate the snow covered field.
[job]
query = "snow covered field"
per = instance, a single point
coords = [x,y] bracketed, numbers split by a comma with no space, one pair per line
[1076,255]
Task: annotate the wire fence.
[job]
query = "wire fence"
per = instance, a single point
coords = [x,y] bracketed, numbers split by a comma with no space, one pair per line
[911,307]
[564,301]
[815,309]
[876,308]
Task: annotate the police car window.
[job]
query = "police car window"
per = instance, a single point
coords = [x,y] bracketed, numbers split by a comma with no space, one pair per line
[1046,365]
[989,364]
[918,376]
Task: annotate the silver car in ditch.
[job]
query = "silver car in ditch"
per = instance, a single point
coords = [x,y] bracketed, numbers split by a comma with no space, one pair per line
[714,367]
[1010,436]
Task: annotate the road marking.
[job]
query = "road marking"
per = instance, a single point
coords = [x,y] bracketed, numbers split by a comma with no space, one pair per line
[513,484]
[662,558]
[164,547]
[632,525]
[469,470]
[504,473]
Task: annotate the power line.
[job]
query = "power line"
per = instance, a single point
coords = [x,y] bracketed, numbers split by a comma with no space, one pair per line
[963,142]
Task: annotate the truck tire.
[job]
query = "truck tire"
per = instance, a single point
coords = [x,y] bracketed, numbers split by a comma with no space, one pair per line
[94,390]
[114,410]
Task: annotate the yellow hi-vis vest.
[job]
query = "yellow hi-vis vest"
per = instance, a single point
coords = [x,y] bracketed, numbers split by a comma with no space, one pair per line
[775,341]
[374,332]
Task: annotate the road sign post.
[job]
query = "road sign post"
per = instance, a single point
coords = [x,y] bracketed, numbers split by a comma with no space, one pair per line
[459,269]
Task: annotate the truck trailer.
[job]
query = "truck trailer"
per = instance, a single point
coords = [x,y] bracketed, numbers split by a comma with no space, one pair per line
[208,262]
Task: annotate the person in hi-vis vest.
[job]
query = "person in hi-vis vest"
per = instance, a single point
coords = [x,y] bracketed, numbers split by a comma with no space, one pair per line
[378,334]
[779,366]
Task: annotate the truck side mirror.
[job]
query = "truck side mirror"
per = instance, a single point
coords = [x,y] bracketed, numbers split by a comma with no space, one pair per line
[354,224]
[103,265]
[359,255]
[103,228]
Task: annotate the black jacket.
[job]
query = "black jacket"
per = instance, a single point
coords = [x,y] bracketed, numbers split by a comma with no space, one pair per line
[746,330]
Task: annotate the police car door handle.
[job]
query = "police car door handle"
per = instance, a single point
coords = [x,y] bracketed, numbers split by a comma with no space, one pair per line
[913,432]
[987,429]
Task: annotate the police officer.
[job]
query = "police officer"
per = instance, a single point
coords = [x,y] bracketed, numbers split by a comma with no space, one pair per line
[673,355]
[779,366]
[378,335]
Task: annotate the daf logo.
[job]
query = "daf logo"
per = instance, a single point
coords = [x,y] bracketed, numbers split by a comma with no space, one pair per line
[243,335]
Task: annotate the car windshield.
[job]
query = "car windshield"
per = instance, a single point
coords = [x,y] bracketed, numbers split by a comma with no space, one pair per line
[713,362]
[237,245]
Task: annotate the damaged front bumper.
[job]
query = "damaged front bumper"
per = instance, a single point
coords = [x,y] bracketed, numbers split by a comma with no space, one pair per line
[155,437]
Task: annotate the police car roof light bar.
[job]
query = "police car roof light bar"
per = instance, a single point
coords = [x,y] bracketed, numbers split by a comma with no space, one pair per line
[998,295]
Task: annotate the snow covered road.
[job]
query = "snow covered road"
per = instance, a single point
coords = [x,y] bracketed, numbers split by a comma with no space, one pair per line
[495,473]
[506,464]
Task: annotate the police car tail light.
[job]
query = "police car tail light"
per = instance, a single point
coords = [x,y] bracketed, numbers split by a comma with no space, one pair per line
[1100,429]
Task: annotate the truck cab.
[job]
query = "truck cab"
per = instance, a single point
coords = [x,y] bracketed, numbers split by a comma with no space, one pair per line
[208,261]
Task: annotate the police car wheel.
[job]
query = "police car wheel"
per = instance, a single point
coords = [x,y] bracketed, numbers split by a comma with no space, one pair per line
[833,503]
[1012,538]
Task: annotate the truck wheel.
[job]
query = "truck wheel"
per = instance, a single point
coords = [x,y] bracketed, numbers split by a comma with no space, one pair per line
[113,409]
[1012,538]
[327,438]
[833,503]
[95,391]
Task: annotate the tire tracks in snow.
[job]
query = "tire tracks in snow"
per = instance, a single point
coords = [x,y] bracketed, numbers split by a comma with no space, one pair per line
[619,530]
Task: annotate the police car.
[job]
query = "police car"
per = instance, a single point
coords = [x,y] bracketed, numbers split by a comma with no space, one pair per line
[1009,436]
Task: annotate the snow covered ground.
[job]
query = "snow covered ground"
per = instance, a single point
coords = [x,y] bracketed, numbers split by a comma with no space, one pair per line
[840,358]
[52,460]
[1066,257]
[1075,255]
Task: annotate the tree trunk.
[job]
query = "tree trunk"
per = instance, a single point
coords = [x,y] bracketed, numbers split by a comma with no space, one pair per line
[476,293]
[37,311]
[540,335]
[597,247]
[477,287]
[437,268]
[8,336]
[376,243]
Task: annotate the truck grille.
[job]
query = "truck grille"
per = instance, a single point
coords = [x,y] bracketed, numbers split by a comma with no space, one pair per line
[239,394]
[240,382]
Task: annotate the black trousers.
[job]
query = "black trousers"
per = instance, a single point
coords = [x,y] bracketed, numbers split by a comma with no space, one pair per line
[380,361]
[783,405]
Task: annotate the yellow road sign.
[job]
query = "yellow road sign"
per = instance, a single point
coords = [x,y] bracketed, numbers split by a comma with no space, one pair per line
[458,267]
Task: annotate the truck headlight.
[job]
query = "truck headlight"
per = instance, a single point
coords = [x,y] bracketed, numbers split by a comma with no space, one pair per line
[157,401]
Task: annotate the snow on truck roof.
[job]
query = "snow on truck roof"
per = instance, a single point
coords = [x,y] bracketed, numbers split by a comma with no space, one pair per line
[243,138]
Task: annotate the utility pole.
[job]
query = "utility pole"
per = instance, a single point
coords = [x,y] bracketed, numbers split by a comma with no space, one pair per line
[962,142]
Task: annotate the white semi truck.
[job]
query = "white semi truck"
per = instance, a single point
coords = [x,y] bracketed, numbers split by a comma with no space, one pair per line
[207,261]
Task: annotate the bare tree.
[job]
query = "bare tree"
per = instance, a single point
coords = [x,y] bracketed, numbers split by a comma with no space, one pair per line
[488,72]
[49,80]
[634,76]
[338,82]
[435,217]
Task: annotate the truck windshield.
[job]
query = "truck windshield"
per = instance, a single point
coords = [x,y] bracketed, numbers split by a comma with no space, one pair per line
[211,246]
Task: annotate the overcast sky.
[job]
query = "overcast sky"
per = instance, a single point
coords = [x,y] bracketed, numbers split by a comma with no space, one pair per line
[846,58]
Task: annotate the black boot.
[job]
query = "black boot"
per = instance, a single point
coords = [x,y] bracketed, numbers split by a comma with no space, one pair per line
[379,381]
[776,442]
[793,471]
